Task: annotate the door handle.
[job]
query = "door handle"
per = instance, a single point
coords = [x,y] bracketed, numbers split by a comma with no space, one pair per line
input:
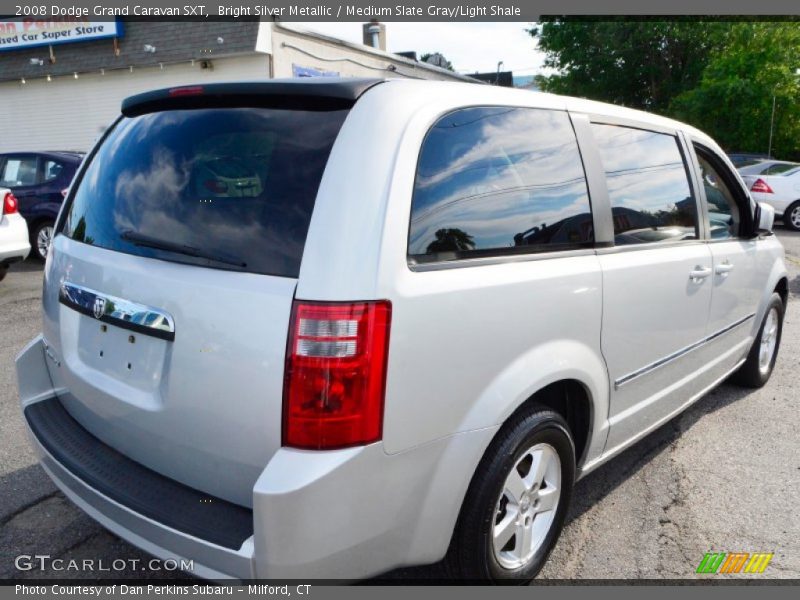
[699,273]
[724,268]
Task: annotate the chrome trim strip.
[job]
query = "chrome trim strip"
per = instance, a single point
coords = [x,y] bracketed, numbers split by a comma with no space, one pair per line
[462,263]
[123,313]
[675,355]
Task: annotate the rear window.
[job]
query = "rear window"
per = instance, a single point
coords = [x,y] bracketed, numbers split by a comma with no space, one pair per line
[225,188]
[778,168]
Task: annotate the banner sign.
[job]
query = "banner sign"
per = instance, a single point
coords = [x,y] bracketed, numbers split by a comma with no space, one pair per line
[27,32]
[300,71]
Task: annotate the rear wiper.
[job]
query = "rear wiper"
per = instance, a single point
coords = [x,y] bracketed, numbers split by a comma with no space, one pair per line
[137,239]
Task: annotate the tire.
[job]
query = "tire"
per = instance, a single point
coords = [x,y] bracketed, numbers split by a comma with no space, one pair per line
[3,273]
[490,508]
[41,231]
[760,362]
[791,218]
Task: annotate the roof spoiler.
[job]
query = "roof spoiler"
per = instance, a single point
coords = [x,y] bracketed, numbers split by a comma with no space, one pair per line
[300,94]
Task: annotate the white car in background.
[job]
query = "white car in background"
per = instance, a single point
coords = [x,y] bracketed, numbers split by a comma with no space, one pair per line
[781,191]
[14,245]
[767,167]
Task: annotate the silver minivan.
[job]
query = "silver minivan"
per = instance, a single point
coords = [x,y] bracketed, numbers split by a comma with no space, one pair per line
[324,329]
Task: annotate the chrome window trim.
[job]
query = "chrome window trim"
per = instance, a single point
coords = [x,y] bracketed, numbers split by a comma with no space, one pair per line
[675,355]
[601,119]
[648,246]
[117,311]
[460,263]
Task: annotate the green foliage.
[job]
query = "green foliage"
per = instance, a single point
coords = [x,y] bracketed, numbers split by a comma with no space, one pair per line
[733,101]
[640,64]
[717,75]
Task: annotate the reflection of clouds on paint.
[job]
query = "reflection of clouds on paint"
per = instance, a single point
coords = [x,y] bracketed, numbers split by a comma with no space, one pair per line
[497,172]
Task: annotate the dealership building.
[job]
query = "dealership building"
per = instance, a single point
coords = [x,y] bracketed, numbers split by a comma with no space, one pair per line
[62,82]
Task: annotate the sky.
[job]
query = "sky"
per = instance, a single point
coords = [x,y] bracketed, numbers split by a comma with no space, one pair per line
[470,47]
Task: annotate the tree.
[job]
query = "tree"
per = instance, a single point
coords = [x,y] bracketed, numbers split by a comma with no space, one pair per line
[640,64]
[733,100]
[437,59]
[451,240]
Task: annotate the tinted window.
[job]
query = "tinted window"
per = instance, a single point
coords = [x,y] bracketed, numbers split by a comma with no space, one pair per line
[18,172]
[779,168]
[499,180]
[236,185]
[52,169]
[723,212]
[651,200]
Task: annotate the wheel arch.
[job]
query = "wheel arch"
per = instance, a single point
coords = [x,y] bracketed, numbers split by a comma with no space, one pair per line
[782,289]
[566,375]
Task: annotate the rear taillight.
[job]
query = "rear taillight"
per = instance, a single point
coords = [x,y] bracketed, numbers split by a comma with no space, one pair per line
[10,204]
[189,90]
[335,374]
[212,185]
[761,187]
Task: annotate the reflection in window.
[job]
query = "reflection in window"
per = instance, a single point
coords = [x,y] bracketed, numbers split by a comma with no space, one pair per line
[499,180]
[237,184]
[52,169]
[651,200]
[18,172]
[723,212]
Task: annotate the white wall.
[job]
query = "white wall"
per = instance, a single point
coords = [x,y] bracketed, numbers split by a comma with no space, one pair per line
[69,114]
[291,45]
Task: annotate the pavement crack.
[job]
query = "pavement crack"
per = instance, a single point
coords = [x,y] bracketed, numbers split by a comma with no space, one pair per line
[27,506]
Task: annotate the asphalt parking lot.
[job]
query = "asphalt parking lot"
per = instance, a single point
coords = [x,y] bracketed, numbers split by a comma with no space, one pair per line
[724,477]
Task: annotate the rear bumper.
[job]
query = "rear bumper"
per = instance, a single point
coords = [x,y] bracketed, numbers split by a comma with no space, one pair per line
[14,244]
[346,514]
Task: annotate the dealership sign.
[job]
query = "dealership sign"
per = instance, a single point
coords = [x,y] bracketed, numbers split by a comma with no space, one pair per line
[16,34]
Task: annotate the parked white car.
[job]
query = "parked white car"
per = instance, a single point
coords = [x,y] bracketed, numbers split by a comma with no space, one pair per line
[767,167]
[441,305]
[781,192]
[14,245]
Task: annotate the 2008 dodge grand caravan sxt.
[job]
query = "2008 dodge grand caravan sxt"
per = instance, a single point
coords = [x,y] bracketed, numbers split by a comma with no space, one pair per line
[325,329]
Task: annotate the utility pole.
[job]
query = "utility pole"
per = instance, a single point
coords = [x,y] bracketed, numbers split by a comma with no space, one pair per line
[771,125]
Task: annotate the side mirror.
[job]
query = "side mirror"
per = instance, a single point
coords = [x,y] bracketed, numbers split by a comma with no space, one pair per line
[765,217]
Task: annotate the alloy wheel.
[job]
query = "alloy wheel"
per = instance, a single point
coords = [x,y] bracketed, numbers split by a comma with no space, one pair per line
[527,506]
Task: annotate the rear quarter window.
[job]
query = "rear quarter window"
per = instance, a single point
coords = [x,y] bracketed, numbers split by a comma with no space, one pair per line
[493,181]
[229,188]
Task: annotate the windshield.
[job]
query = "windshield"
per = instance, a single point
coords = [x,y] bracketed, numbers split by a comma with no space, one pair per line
[202,186]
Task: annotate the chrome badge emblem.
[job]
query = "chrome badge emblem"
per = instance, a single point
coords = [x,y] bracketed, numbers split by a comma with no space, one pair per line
[123,313]
[99,307]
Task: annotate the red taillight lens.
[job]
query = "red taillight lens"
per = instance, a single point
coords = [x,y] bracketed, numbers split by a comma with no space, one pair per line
[761,187]
[212,185]
[189,90]
[10,204]
[335,374]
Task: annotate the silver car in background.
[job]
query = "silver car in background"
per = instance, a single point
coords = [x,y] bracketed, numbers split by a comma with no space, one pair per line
[326,329]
